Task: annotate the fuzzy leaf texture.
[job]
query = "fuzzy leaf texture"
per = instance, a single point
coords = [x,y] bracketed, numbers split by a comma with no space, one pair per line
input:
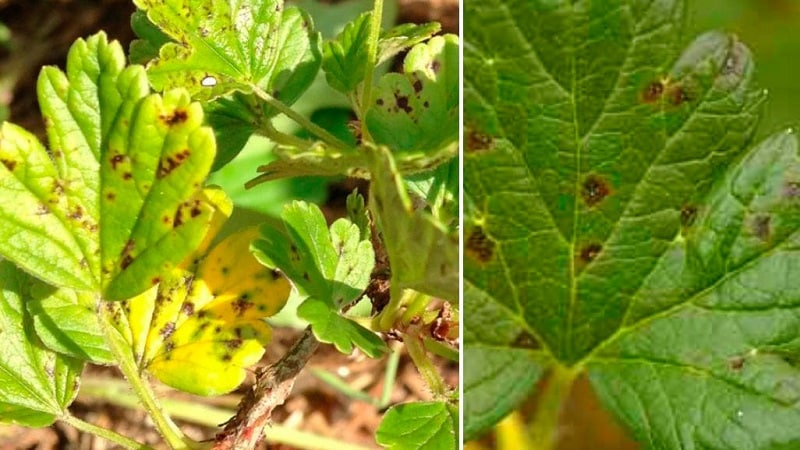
[117,199]
[203,326]
[36,384]
[619,221]
[428,425]
[331,265]
[223,46]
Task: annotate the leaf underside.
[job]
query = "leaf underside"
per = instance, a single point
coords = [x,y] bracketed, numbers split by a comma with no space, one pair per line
[619,220]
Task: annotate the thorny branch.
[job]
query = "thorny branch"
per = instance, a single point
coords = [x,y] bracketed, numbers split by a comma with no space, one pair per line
[273,384]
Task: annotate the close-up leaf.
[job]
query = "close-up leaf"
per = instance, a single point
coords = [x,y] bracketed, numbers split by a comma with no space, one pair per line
[36,384]
[117,199]
[221,47]
[620,223]
[411,426]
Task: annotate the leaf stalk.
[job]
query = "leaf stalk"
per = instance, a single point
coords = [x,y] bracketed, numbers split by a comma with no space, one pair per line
[544,427]
[105,433]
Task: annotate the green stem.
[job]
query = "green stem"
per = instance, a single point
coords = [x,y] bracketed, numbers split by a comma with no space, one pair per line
[111,436]
[387,318]
[114,392]
[372,60]
[301,120]
[392,362]
[416,350]
[269,131]
[127,365]
[417,302]
[544,429]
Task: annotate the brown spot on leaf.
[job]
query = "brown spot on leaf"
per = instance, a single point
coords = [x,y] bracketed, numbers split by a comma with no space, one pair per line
[178,116]
[155,280]
[417,85]
[379,102]
[42,210]
[76,213]
[227,357]
[736,363]
[167,330]
[402,103]
[761,226]
[525,340]
[116,160]
[111,196]
[477,141]
[127,176]
[792,189]
[688,215]
[187,308]
[678,95]
[478,246]
[435,66]
[10,164]
[595,189]
[125,262]
[233,344]
[242,304]
[652,92]
[590,252]
[170,163]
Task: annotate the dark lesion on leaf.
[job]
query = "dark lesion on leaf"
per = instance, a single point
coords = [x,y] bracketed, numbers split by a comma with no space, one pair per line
[653,92]
[42,210]
[688,215]
[679,95]
[170,163]
[736,363]
[595,189]
[177,117]
[233,344]
[126,258]
[9,163]
[402,103]
[478,246]
[187,308]
[167,330]
[526,340]
[761,226]
[589,252]
[476,141]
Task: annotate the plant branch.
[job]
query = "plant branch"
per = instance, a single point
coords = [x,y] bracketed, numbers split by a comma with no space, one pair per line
[416,350]
[109,435]
[544,429]
[273,385]
[372,60]
[301,120]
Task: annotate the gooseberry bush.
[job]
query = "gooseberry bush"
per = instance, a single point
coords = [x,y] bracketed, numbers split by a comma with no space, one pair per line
[622,225]
[109,233]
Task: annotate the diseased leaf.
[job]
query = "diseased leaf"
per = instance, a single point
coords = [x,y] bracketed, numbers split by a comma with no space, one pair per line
[332,266]
[201,328]
[428,425]
[221,47]
[36,384]
[422,254]
[619,222]
[151,39]
[418,109]
[117,199]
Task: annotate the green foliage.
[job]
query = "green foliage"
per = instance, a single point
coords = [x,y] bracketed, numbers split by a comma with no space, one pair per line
[620,223]
[36,384]
[429,425]
[332,266]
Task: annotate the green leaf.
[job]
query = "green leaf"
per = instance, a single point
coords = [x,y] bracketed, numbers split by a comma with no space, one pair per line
[221,47]
[36,384]
[151,39]
[66,322]
[439,188]
[404,36]
[618,220]
[417,111]
[332,266]
[428,425]
[234,121]
[422,254]
[345,58]
[117,200]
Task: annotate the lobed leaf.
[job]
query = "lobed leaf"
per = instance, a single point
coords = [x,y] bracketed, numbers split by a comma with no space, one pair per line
[202,328]
[222,46]
[417,111]
[332,266]
[117,199]
[345,57]
[36,384]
